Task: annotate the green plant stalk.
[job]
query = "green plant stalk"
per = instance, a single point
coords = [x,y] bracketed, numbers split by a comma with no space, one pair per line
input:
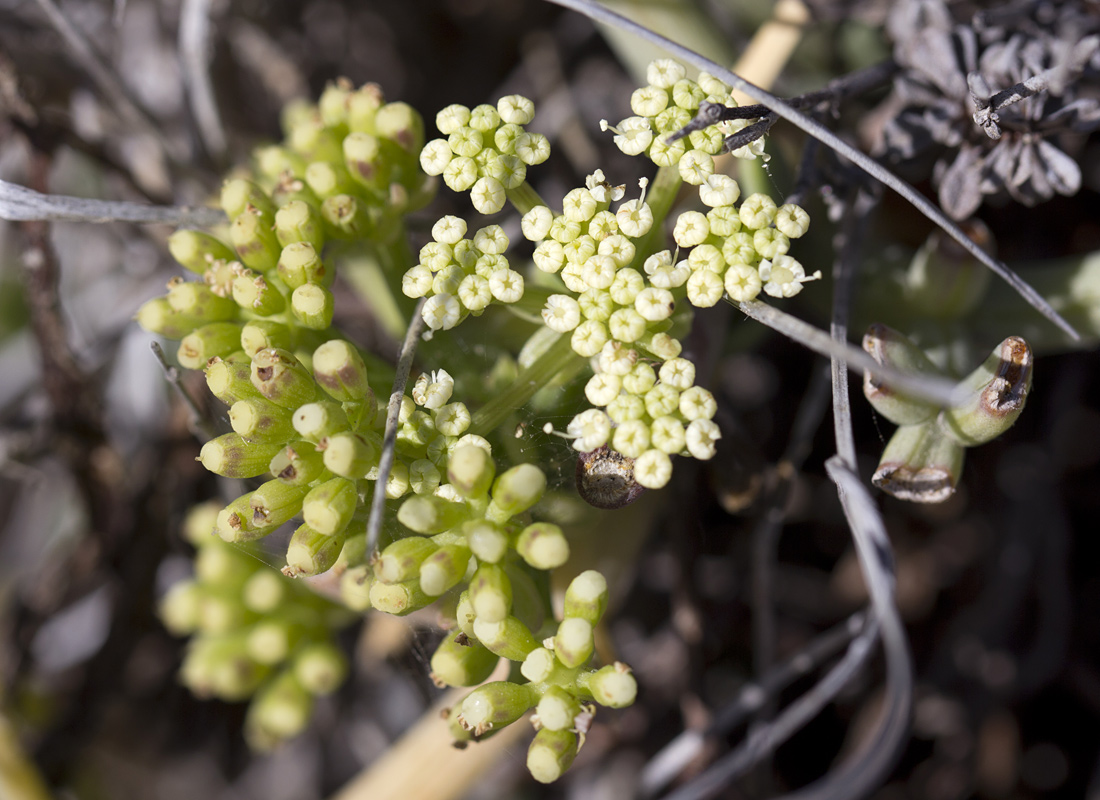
[373,273]
[558,360]
[660,195]
[524,197]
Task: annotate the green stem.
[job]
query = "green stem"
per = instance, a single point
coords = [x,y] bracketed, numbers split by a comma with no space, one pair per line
[374,273]
[524,197]
[559,359]
[660,195]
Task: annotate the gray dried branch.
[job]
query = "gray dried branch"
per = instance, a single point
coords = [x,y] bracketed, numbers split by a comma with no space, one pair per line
[389,442]
[194,46]
[18,203]
[933,389]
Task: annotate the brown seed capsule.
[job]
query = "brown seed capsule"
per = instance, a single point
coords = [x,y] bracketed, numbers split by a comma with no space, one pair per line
[605,478]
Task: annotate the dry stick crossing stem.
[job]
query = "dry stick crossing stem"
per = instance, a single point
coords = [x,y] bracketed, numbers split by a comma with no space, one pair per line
[389,443]
[866,163]
[927,387]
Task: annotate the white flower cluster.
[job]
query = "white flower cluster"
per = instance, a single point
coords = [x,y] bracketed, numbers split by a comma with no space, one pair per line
[487,150]
[646,414]
[461,276]
[665,106]
[618,314]
[736,251]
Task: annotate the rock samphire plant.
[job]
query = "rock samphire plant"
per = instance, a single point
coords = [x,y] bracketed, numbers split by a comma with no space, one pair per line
[611,293]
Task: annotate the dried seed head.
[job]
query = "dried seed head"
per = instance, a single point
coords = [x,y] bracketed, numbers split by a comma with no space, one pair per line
[605,478]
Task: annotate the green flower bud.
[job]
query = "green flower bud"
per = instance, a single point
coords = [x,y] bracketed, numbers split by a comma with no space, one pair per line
[264,591]
[270,641]
[234,522]
[311,553]
[574,642]
[464,615]
[539,665]
[363,105]
[299,264]
[557,709]
[198,525]
[299,464]
[196,251]
[157,316]
[496,705]
[276,502]
[612,686]
[508,638]
[313,306]
[491,593]
[444,569]
[366,162]
[256,294]
[401,560]
[543,546]
[312,140]
[218,565]
[346,216]
[460,661]
[239,194]
[273,161]
[292,189]
[320,668]
[470,470]
[230,456]
[401,123]
[180,608]
[891,348]
[398,599]
[279,711]
[551,753]
[219,666]
[355,586]
[333,103]
[265,334]
[314,421]
[254,240]
[586,597]
[329,507]
[298,221]
[340,371]
[258,419]
[326,179]
[350,455]
[486,540]
[220,611]
[191,299]
[515,491]
[210,341]
[998,391]
[282,379]
[230,378]
[429,514]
